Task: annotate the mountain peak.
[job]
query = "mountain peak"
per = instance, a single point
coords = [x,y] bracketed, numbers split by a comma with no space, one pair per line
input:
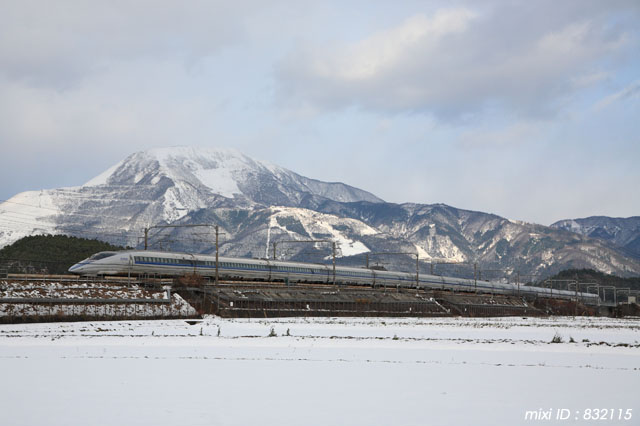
[224,172]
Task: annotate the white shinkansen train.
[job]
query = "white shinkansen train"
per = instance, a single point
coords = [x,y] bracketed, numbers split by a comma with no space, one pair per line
[232,268]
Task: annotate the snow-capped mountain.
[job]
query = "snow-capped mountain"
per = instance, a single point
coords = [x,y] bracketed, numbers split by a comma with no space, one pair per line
[162,186]
[622,232]
[256,204]
[444,233]
[193,176]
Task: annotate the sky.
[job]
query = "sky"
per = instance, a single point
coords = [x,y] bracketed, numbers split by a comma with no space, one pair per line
[529,110]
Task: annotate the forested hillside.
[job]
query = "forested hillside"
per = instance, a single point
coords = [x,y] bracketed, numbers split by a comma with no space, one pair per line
[51,254]
[590,275]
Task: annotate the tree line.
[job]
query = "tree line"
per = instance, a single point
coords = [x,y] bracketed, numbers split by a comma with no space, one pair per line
[49,254]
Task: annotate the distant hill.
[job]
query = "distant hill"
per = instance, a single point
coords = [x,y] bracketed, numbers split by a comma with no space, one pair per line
[590,275]
[621,232]
[52,254]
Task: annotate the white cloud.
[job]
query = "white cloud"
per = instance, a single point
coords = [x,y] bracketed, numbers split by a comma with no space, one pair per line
[58,44]
[454,62]
[512,135]
[384,52]
[632,91]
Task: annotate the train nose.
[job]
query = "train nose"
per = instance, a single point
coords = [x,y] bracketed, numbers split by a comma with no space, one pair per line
[77,268]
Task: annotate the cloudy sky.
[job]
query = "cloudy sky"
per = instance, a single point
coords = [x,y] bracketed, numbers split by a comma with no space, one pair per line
[528,109]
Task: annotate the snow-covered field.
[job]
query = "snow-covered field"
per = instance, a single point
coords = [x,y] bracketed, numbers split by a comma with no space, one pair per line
[321,371]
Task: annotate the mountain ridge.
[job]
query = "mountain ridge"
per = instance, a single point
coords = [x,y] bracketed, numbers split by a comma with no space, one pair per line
[257,203]
[619,231]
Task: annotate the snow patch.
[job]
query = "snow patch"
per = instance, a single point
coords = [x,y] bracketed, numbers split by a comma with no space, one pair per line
[325,224]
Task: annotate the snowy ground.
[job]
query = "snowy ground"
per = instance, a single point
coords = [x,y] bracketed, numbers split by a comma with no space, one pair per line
[331,371]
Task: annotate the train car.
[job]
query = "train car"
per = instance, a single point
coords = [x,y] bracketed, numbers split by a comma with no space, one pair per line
[137,262]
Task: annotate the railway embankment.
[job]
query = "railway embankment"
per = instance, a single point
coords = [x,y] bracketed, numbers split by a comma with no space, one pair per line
[51,299]
[262,300]
[70,298]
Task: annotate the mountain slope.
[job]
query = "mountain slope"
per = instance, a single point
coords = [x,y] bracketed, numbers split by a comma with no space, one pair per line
[162,186]
[256,204]
[442,232]
[621,232]
[200,172]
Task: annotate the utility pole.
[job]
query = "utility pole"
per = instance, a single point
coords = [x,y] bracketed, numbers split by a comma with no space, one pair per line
[217,264]
[475,277]
[333,247]
[575,312]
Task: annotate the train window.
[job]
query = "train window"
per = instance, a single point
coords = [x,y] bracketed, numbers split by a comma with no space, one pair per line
[102,255]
